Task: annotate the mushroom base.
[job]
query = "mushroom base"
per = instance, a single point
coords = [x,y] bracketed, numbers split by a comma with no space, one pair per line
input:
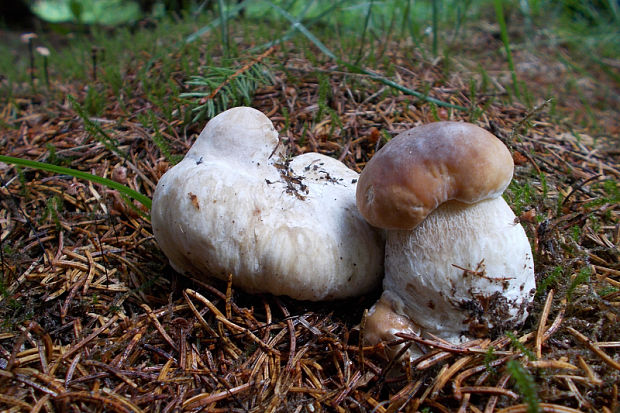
[466,271]
[383,325]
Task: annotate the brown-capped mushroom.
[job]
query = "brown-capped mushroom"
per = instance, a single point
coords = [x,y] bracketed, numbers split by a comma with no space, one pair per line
[458,263]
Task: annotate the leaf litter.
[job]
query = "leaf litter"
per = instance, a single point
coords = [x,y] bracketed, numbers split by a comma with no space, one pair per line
[94,318]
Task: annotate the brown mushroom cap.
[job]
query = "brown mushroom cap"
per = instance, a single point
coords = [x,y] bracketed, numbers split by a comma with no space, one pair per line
[428,165]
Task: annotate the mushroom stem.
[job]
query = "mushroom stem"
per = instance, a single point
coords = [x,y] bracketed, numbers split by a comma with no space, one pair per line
[44,51]
[30,52]
[383,323]
[47,76]
[464,271]
[27,38]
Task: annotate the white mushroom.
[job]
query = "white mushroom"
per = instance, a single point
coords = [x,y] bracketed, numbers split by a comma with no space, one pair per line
[458,263]
[235,205]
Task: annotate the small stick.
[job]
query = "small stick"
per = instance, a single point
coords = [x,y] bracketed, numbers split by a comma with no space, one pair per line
[229,297]
[456,383]
[361,339]
[489,390]
[109,401]
[493,399]
[158,326]
[82,343]
[592,346]
[544,407]
[541,325]
[447,375]
[239,72]
[556,323]
[449,347]
[220,317]
[205,399]
[291,331]
[431,358]
[588,370]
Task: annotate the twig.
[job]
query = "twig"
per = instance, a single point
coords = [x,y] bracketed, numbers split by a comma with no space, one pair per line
[239,72]
[592,346]
[542,323]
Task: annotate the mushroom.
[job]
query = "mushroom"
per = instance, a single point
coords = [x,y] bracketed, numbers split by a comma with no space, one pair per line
[236,205]
[457,262]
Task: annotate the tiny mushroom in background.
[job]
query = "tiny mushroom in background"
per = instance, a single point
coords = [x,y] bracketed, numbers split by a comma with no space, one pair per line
[235,205]
[458,263]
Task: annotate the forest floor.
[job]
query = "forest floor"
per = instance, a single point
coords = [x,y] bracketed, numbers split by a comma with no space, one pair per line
[93,318]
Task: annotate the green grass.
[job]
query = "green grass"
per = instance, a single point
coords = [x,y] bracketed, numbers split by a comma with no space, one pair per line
[582,276]
[236,87]
[180,61]
[526,385]
[435,26]
[144,200]
[550,280]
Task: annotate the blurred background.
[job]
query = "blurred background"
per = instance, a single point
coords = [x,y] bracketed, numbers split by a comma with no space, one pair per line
[525,50]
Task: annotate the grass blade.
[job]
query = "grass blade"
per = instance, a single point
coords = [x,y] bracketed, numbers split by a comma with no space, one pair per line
[224,27]
[291,31]
[297,25]
[363,38]
[435,25]
[499,12]
[143,199]
[232,12]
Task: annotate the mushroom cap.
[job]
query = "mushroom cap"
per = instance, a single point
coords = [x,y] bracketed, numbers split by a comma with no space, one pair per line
[428,165]
[466,269]
[286,227]
[240,134]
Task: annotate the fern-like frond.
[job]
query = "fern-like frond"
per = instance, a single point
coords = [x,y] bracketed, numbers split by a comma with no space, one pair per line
[224,87]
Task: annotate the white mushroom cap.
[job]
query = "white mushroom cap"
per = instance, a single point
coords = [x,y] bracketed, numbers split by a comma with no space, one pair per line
[43,51]
[457,261]
[239,134]
[282,227]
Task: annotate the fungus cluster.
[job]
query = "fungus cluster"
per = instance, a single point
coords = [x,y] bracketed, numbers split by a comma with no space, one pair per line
[457,261]
[236,205]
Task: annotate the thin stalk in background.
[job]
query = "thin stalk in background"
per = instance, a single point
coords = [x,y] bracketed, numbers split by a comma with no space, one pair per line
[499,12]
[233,12]
[363,39]
[224,27]
[461,11]
[413,27]
[124,190]
[435,25]
[293,30]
